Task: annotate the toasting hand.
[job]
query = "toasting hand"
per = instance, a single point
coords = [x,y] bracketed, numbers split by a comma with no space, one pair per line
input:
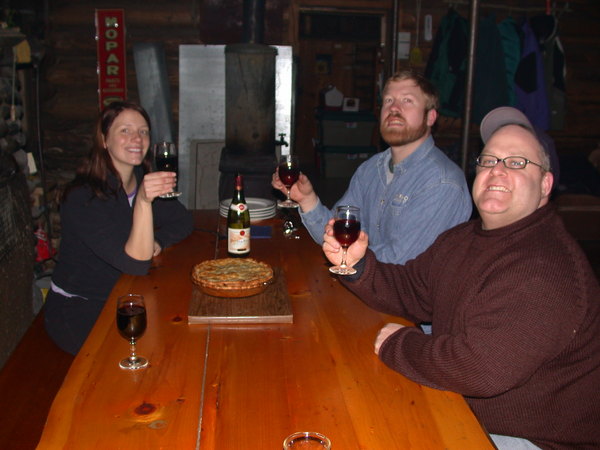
[301,191]
[333,249]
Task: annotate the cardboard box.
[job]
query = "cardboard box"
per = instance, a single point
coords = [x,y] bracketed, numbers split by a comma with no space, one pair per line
[342,165]
[346,129]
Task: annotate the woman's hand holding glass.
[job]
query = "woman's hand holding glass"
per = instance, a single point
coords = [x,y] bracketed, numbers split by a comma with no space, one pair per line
[157,184]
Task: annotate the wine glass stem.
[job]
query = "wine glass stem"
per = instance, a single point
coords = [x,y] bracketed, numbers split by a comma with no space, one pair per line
[288,195]
[343,264]
[132,356]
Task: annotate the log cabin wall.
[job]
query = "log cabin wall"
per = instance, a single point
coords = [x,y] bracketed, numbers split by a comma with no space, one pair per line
[70,98]
[69,101]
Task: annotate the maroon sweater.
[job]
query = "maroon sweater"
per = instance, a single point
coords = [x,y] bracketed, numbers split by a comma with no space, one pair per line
[516,326]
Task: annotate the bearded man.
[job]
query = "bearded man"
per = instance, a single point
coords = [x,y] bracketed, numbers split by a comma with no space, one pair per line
[408,194]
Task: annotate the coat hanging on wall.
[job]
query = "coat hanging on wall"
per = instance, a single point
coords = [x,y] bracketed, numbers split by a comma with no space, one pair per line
[511,45]
[447,64]
[521,66]
[545,28]
[490,86]
[530,83]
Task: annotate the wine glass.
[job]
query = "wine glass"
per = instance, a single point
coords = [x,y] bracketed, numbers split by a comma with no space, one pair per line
[166,158]
[131,322]
[307,440]
[289,171]
[346,229]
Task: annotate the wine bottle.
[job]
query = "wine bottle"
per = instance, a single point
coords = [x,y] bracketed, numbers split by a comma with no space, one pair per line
[238,222]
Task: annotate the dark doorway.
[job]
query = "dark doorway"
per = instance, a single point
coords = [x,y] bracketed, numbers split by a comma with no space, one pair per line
[347,50]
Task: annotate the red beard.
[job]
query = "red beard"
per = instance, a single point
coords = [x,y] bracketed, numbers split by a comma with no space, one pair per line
[404,135]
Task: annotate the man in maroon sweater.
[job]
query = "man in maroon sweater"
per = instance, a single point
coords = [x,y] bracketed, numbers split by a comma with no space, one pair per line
[513,302]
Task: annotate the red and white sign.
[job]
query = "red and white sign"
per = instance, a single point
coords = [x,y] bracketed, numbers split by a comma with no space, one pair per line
[110,40]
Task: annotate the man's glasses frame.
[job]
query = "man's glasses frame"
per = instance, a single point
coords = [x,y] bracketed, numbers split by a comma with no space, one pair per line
[510,162]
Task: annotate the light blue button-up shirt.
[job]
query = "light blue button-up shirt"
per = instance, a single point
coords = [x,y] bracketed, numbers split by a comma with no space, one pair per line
[427,195]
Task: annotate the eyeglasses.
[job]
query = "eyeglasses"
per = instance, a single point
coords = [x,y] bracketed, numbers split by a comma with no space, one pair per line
[510,162]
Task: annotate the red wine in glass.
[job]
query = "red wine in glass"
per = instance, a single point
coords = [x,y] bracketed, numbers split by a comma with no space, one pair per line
[166,159]
[346,230]
[288,174]
[131,323]
[289,171]
[167,164]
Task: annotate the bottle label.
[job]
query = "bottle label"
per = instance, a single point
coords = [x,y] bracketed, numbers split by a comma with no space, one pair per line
[238,241]
[238,207]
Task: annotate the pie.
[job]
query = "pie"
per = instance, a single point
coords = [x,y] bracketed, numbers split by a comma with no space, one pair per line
[232,277]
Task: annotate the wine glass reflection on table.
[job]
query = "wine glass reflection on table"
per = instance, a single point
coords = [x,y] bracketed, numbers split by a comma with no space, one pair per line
[131,322]
[289,171]
[346,229]
[166,159]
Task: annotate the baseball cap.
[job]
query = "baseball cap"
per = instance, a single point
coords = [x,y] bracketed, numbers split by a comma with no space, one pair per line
[504,115]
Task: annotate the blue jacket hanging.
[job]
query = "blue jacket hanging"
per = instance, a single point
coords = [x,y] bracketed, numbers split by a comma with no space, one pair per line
[545,27]
[530,84]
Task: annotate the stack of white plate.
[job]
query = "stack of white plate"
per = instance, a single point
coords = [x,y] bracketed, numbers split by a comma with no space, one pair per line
[260,208]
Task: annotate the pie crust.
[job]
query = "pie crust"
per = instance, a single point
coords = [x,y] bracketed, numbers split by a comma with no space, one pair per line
[232,277]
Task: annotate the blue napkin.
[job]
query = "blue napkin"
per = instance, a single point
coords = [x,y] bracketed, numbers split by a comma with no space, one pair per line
[261,231]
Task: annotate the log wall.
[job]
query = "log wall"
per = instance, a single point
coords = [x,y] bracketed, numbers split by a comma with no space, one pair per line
[69,69]
[68,88]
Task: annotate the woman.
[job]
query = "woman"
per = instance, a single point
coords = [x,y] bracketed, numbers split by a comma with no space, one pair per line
[111,223]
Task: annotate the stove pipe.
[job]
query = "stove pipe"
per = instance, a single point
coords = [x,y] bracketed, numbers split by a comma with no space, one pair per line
[254,21]
[249,108]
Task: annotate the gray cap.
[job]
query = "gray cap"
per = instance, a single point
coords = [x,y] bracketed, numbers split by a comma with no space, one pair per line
[507,115]
[504,115]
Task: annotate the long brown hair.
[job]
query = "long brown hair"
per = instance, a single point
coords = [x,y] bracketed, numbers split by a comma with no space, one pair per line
[94,171]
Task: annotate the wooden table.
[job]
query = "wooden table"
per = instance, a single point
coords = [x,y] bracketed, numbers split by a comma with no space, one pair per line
[248,386]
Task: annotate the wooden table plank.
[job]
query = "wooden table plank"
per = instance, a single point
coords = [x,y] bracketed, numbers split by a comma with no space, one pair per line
[104,406]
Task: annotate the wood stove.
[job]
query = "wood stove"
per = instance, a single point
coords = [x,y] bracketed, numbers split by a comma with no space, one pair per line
[249,119]
[241,95]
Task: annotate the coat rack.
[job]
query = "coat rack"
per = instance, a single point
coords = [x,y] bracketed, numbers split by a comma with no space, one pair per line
[473,20]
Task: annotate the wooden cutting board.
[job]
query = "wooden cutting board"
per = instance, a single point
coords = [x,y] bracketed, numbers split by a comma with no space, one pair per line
[271,306]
